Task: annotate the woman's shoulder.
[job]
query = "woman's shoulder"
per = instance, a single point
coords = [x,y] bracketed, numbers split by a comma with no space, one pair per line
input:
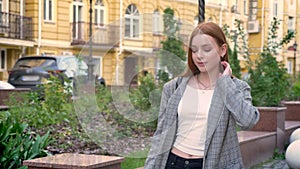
[240,83]
[174,83]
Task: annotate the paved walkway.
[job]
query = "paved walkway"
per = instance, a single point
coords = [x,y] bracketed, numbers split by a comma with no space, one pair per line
[273,164]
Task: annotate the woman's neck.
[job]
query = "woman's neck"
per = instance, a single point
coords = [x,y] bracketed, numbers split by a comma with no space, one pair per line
[208,78]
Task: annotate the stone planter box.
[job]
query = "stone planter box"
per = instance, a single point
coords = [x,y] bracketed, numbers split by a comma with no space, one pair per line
[75,161]
[272,119]
[292,112]
[5,94]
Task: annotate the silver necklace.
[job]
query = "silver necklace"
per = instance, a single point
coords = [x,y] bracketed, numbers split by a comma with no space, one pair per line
[205,86]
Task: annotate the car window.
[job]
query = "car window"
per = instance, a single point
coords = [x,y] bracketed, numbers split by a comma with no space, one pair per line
[73,66]
[35,62]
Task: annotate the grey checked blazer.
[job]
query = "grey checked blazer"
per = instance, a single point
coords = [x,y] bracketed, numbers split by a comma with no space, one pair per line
[231,104]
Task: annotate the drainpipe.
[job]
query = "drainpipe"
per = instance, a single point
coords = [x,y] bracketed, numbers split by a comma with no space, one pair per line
[21,19]
[120,42]
[39,28]
[221,16]
[262,26]
[21,8]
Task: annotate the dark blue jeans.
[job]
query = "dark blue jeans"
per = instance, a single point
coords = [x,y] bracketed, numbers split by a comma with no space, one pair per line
[176,162]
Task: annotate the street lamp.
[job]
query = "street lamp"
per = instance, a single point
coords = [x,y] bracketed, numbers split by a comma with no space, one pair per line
[201,11]
[90,59]
[295,51]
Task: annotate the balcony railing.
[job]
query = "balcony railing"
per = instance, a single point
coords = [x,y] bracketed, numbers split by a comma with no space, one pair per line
[101,35]
[108,35]
[15,26]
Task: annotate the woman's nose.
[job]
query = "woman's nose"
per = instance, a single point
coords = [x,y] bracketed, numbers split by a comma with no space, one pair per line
[199,54]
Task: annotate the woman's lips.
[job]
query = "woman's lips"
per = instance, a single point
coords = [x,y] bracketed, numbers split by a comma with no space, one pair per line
[201,64]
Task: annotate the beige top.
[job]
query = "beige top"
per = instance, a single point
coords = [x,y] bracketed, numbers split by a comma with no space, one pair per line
[192,118]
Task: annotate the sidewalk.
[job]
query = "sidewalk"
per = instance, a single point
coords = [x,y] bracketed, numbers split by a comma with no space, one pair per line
[273,164]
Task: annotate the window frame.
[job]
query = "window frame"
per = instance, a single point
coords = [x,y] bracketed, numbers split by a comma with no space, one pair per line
[291,23]
[275,9]
[133,16]
[157,26]
[49,10]
[99,16]
[77,4]
[3,64]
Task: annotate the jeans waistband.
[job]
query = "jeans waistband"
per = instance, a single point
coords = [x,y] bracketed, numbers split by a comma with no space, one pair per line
[185,160]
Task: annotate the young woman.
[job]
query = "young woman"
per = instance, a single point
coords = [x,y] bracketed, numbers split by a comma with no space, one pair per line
[199,110]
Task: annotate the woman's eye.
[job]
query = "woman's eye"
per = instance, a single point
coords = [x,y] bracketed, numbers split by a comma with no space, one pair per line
[194,50]
[207,49]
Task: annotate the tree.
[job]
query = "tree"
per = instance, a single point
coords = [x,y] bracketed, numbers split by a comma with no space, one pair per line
[269,79]
[233,54]
[172,54]
[234,62]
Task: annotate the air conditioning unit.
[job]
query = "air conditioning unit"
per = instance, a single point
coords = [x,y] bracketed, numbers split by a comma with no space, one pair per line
[253,26]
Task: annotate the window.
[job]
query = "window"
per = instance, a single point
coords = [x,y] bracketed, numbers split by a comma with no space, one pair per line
[275,9]
[97,61]
[77,19]
[245,7]
[132,22]
[2,59]
[48,10]
[1,4]
[237,6]
[252,9]
[99,13]
[289,66]
[291,24]
[77,10]
[157,22]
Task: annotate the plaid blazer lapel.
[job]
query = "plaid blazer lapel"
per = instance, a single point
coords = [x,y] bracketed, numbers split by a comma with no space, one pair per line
[215,111]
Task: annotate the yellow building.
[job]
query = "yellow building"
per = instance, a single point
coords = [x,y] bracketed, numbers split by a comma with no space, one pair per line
[16,34]
[126,34]
[261,14]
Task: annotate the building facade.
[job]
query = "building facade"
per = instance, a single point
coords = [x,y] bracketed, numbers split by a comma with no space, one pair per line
[126,34]
[261,15]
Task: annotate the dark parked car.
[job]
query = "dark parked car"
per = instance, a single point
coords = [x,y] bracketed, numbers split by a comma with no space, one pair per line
[28,72]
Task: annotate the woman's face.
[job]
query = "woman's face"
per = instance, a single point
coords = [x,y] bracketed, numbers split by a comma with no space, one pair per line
[206,53]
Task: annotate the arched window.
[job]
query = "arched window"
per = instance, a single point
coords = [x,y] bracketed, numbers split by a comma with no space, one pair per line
[132,22]
[157,22]
[99,13]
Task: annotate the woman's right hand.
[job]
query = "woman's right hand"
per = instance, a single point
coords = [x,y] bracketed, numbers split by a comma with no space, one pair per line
[227,69]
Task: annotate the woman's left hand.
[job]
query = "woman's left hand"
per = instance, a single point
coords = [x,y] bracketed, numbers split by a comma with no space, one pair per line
[227,68]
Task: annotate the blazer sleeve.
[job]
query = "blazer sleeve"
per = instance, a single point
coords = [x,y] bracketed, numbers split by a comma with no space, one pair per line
[238,101]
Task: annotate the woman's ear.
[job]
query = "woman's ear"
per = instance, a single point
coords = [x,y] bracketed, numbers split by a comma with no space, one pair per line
[223,49]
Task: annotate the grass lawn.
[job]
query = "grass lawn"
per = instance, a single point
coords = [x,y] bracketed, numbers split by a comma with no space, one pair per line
[132,163]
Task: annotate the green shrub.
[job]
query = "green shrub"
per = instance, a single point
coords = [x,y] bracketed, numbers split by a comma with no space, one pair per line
[294,93]
[268,78]
[44,107]
[269,81]
[18,144]
[139,97]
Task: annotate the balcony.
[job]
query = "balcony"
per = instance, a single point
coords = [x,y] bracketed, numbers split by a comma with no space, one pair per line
[15,26]
[105,35]
[108,35]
